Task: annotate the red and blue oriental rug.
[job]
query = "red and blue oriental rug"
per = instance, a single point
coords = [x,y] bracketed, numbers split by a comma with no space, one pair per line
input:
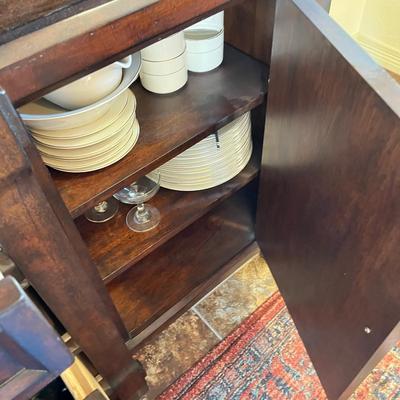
[264,358]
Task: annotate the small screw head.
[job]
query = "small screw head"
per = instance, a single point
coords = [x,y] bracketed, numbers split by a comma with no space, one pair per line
[367,330]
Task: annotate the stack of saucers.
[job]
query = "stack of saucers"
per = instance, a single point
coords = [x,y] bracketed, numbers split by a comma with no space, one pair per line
[164,67]
[205,43]
[88,138]
[211,162]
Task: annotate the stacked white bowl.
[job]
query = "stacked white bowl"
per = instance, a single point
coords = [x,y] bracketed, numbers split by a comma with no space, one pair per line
[205,43]
[213,161]
[88,124]
[164,67]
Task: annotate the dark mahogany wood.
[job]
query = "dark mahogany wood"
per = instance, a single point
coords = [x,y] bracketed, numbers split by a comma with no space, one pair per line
[157,287]
[8,267]
[29,358]
[249,25]
[114,247]
[170,124]
[37,232]
[151,333]
[46,59]
[329,209]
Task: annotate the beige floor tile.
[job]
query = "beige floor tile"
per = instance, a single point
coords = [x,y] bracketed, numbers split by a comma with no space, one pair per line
[238,297]
[175,350]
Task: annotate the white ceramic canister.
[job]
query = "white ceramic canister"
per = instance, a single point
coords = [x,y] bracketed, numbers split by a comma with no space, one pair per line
[165,49]
[91,88]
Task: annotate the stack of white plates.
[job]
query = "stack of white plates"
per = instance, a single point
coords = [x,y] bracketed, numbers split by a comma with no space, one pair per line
[95,145]
[91,137]
[212,161]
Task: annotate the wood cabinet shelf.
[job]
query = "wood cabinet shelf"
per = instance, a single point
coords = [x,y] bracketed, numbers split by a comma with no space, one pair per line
[186,267]
[114,247]
[171,123]
[47,43]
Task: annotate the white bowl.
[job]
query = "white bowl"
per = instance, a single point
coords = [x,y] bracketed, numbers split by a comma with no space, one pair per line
[165,49]
[213,23]
[204,62]
[90,88]
[44,115]
[114,113]
[87,140]
[163,84]
[203,41]
[164,67]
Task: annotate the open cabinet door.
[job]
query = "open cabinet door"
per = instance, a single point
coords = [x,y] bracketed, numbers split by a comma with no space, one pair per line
[328,217]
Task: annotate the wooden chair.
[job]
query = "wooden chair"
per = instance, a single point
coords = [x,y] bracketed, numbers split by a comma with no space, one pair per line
[31,353]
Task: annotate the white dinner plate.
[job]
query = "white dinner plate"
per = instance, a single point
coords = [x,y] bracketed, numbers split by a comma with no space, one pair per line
[89,140]
[194,186]
[106,162]
[88,151]
[207,182]
[203,170]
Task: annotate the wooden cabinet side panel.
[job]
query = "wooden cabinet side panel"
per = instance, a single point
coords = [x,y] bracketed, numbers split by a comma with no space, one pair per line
[37,232]
[249,25]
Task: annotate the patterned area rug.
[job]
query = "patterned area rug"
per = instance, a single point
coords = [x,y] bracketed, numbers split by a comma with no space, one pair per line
[264,358]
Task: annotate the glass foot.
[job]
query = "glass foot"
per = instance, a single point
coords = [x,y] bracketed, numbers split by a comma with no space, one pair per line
[103,211]
[143,218]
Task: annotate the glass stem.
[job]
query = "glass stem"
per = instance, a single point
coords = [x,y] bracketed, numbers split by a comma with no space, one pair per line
[101,207]
[142,215]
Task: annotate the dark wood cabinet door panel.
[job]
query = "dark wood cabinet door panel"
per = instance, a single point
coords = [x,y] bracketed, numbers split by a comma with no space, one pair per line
[329,201]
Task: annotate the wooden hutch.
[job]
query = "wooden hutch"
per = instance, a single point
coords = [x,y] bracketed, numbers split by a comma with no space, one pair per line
[320,195]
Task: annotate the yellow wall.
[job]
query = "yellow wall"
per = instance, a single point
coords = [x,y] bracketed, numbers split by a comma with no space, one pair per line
[375,24]
[348,14]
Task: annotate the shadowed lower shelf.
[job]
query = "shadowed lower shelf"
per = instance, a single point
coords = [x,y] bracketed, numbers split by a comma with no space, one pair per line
[170,124]
[190,264]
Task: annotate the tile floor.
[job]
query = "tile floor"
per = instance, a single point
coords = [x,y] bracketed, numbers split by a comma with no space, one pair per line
[197,331]
[191,336]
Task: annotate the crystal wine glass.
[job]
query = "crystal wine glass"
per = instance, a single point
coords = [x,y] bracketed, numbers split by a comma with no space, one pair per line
[103,211]
[143,217]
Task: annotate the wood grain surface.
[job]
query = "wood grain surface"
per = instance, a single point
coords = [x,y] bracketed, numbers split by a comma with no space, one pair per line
[47,58]
[329,210]
[170,124]
[159,286]
[41,238]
